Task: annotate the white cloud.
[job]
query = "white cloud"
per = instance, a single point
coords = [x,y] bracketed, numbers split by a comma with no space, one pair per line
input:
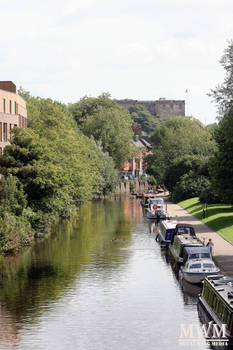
[136,49]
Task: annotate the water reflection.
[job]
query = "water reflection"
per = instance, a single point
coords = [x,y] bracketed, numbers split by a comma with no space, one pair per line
[100,281]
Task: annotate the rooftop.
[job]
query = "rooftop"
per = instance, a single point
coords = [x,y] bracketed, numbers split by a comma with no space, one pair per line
[224,286]
[8,86]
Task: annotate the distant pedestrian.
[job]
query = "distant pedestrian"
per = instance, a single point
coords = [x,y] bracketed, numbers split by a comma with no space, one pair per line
[210,244]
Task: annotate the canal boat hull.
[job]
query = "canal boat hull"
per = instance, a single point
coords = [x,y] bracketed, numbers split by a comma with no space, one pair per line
[216,304]
[155,215]
[176,248]
[166,230]
[196,270]
[196,277]
[206,316]
[156,209]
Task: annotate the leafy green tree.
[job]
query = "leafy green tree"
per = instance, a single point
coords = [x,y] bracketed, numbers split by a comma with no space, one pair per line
[55,162]
[107,170]
[190,186]
[12,197]
[142,117]
[221,166]
[183,165]
[107,122]
[30,161]
[223,93]
[174,139]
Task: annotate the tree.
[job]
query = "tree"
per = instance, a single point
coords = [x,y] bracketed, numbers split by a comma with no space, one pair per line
[107,169]
[142,117]
[13,199]
[55,162]
[190,186]
[174,140]
[223,93]
[107,122]
[221,165]
[183,165]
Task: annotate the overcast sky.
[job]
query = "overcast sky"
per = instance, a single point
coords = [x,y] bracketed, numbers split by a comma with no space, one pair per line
[129,48]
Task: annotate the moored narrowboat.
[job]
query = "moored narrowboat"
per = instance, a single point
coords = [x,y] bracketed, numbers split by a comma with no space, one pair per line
[185,229]
[215,304]
[156,209]
[179,242]
[146,197]
[195,270]
[166,230]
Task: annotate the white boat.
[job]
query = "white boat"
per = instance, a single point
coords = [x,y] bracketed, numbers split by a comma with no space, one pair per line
[195,270]
[166,230]
[156,209]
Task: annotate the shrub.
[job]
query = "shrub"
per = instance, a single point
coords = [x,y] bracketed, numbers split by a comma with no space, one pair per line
[189,186]
[208,195]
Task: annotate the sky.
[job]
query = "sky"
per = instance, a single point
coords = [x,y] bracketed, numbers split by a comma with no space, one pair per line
[136,49]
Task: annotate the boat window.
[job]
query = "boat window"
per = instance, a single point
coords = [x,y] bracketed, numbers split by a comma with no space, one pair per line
[215,303]
[195,266]
[211,298]
[220,310]
[194,256]
[208,266]
[156,201]
[199,256]
[185,230]
[205,255]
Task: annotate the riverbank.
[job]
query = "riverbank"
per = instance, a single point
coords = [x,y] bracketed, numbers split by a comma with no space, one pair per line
[219,217]
[222,251]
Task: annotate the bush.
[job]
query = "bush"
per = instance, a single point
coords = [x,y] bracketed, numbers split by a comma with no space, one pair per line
[209,196]
[190,186]
[13,198]
[15,232]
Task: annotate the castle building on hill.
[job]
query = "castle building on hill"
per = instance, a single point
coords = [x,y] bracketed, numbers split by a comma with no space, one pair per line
[160,108]
[13,112]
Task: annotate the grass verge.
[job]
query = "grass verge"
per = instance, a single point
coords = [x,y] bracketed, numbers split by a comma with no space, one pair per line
[219,216]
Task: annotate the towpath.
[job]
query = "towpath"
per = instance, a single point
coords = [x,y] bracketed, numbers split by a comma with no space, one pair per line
[222,250]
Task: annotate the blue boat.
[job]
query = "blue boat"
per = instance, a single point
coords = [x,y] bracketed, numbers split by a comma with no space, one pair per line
[166,232]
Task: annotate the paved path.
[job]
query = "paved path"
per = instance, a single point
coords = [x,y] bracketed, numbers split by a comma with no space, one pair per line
[222,250]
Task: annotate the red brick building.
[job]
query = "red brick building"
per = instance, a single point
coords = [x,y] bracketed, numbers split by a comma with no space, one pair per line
[137,165]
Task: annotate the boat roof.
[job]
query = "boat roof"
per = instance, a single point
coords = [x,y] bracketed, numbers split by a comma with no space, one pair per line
[168,224]
[189,240]
[224,286]
[195,250]
[158,200]
[184,225]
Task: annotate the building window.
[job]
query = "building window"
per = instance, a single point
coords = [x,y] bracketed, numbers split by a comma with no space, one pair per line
[4,105]
[0,131]
[16,112]
[4,131]
[10,107]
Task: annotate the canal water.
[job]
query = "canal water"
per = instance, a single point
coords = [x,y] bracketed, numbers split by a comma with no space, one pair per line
[100,282]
